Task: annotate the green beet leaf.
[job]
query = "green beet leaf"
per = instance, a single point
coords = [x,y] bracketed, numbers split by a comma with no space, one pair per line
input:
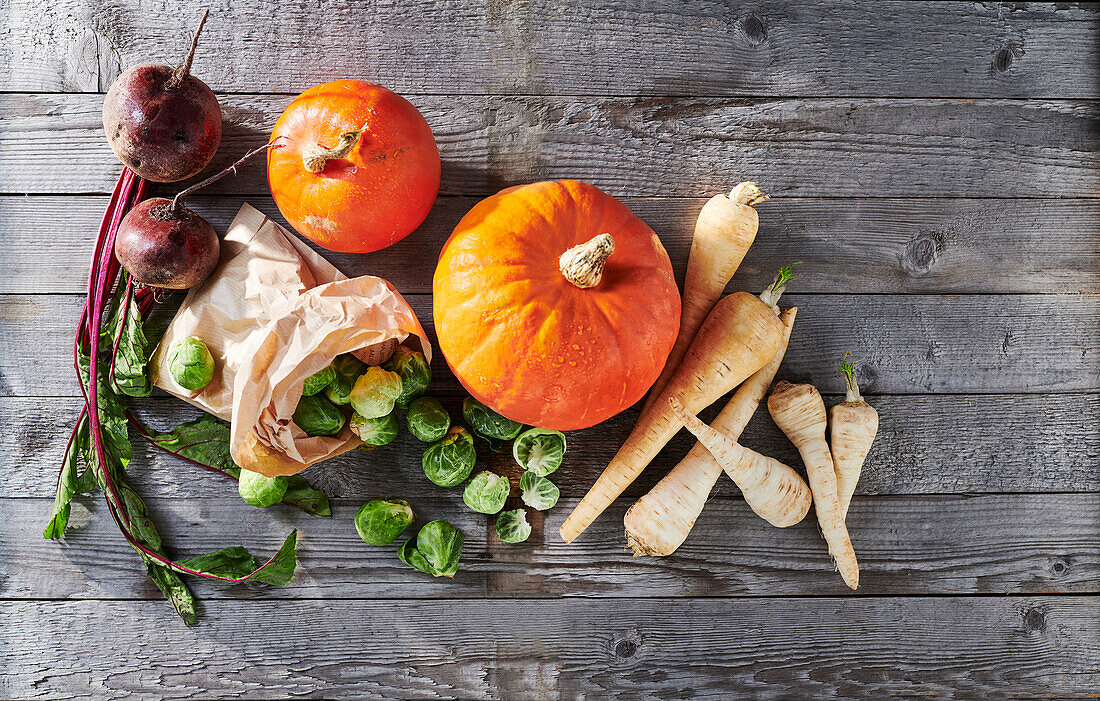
[173,588]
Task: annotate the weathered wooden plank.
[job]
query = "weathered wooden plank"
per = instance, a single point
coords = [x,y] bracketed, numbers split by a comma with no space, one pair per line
[991,443]
[985,647]
[643,147]
[862,245]
[1010,544]
[907,343]
[691,47]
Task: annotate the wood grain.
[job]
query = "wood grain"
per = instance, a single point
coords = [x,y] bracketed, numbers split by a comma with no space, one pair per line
[887,245]
[928,444]
[907,343]
[829,147]
[912,545]
[940,647]
[691,47]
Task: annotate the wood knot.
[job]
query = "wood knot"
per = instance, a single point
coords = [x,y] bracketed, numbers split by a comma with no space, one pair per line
[1004,57]
[1034,621]
[753,29]
[625,645]
[1058,566]
[921,253]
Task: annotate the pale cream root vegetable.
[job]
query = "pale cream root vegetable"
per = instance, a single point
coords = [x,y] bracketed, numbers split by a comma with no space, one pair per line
[660,521]
[773,490]
[852,428]
[800,413]
[725,229]
[740,335]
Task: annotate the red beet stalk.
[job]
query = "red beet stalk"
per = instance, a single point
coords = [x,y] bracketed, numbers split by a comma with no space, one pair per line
[104,274]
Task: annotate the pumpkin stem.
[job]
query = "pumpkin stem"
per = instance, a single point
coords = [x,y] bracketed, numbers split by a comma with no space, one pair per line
[184,69]
[583,264]
[317,156]
[747,193]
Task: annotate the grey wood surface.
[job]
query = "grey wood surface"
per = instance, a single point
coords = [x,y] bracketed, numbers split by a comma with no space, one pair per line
[883,245]
[653,147]
[980,647]
[907,545]
[688,47]
[933,165]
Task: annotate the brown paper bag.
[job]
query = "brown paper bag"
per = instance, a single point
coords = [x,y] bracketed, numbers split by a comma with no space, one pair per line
[273,313]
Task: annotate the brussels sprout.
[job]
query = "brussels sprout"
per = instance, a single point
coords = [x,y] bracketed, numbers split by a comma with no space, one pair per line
[486,492]
[318,416]
[374,393]
[512,526]
[538,492]
[539,450]
[435,549]
[415,373]
[190,363]
[376,432]
[427,419]
[348,368]
[487,423]
[259,490]
[380,521]
[318,380]
[450,461]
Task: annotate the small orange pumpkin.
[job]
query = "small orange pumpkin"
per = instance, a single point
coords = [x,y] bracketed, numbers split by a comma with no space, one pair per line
[355,167]
[554,305]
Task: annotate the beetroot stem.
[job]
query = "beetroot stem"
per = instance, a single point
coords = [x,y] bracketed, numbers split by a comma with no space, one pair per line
[184,69]
[175,206]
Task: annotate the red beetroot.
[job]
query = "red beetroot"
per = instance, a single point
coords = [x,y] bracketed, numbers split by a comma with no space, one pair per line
[160,247]
[162,122]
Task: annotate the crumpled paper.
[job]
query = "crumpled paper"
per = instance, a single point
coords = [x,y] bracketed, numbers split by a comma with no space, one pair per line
[273,313]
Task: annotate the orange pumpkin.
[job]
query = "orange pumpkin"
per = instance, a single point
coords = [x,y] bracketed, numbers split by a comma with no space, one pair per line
[554,305]
[356,167]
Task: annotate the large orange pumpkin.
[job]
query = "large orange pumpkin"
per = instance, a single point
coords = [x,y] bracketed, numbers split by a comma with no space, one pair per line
[356,167]
[519,327]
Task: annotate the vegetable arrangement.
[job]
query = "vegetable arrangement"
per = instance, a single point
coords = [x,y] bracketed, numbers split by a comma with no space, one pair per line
[555,307]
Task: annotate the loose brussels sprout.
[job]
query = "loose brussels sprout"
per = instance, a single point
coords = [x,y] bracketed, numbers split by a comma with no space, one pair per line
[538,492]
[376,432]
[374,393]
[414,370]
[318,416]
[259,490]
[487,422]
[486,492]
[435,549]
[427,419]
[450,461]
[380,521]
[348,368]
[539,450]
[190,363]
[319,380]
[512,526]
